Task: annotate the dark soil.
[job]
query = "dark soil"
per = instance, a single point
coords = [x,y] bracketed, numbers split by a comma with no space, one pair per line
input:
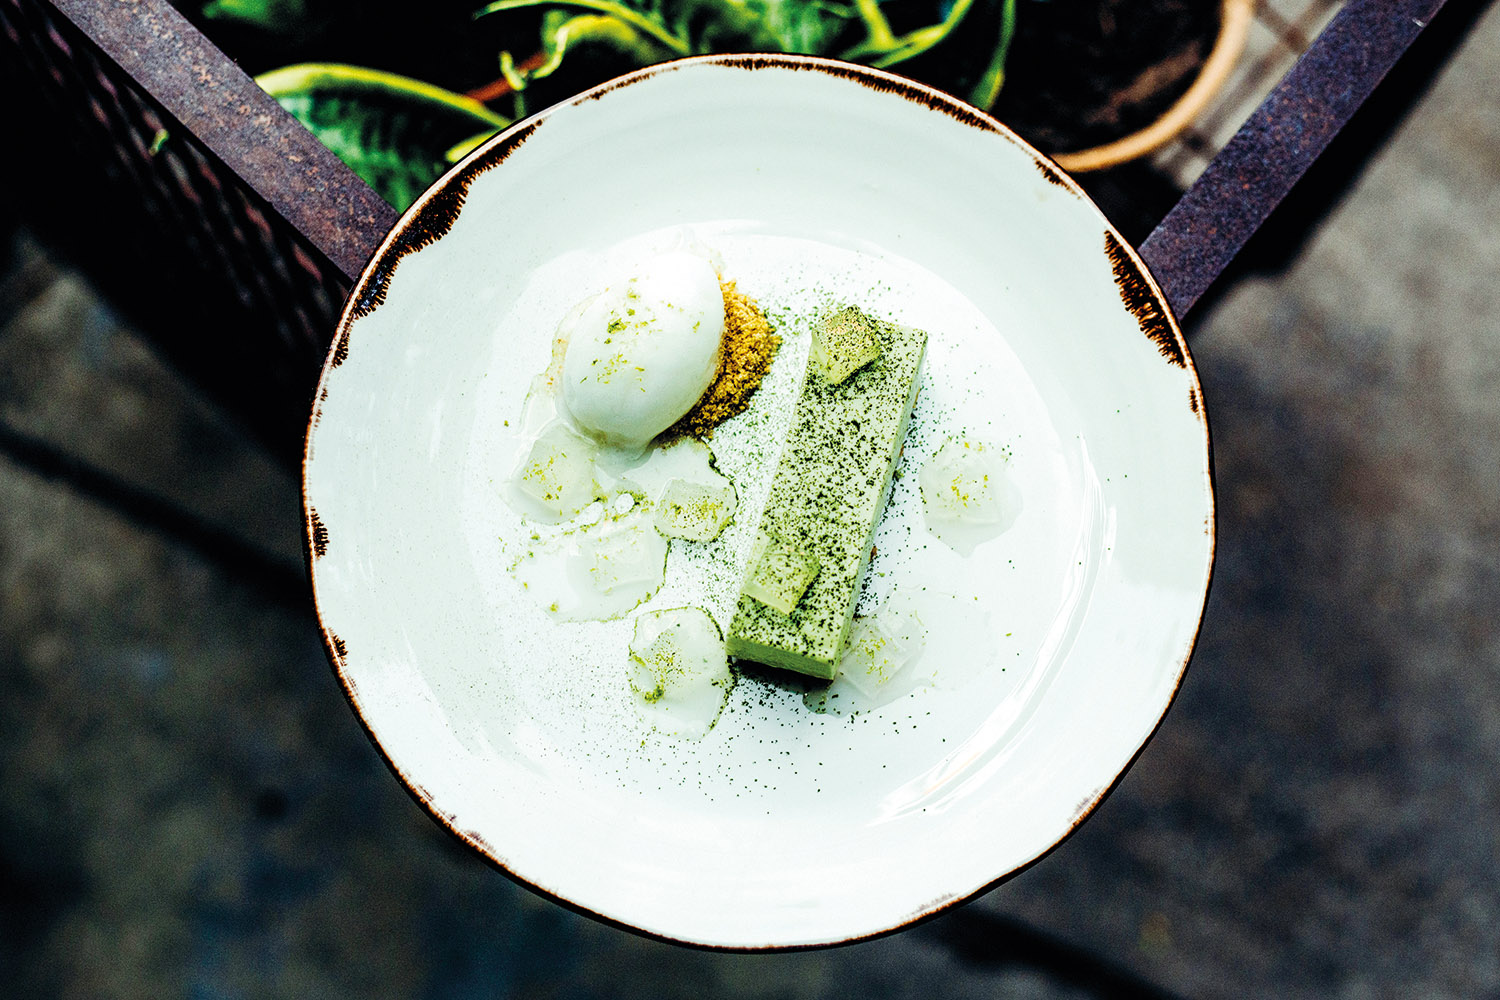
[1085,72]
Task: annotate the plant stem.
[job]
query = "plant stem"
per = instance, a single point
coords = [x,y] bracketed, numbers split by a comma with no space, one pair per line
[880,37]
[630,17]
[496,89]
[988,88]
[914,43]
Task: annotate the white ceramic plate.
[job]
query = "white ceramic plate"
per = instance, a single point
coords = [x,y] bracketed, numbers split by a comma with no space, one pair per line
[1064,640]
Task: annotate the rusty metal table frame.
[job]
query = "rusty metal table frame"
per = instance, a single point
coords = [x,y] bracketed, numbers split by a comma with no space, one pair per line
[286,227]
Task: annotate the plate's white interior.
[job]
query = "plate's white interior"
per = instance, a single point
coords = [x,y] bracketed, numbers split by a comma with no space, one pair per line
[1068,634]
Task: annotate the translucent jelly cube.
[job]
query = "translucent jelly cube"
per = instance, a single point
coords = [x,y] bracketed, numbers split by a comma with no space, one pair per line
[694,511]
[679,671]
[962,483]
[559,471]
[779,573]
[843,344]
[879,648]
[625,555]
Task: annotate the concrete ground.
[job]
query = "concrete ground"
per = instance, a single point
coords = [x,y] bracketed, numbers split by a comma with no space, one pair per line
[189,809]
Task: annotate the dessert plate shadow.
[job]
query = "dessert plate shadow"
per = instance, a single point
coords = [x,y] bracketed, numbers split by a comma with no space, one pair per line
[1053,649]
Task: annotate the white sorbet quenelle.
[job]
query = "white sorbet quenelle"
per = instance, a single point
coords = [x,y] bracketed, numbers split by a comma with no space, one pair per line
[645,350]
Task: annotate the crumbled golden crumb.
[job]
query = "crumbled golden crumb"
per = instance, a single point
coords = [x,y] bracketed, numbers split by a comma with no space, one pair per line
[744,358]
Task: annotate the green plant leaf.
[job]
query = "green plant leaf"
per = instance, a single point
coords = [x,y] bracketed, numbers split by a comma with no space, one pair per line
[971,62]
[987,90]
[811,27]
[396,133]
[647,21]
[560,32]
[280,17]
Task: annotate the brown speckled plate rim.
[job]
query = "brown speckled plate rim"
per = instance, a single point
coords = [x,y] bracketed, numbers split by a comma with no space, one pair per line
[429,218]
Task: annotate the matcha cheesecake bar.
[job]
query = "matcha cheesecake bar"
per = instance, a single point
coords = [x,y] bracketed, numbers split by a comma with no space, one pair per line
[827,495]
